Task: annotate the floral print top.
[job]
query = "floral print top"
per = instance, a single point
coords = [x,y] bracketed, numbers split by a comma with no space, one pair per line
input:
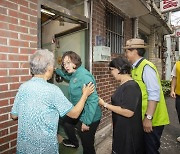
[38,105]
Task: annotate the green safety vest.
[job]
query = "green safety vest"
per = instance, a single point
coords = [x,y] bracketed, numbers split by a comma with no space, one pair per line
[160,116]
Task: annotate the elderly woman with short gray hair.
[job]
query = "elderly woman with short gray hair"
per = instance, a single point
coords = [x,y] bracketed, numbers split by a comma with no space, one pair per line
[38,105]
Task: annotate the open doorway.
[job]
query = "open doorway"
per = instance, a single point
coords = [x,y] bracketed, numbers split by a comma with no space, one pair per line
[63,30]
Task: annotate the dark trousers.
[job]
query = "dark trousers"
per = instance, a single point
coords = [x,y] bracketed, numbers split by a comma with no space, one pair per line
[152,140]
[87,137]
[178,106]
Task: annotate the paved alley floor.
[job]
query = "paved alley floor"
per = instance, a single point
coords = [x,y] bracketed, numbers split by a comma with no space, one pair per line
[105,146]
[169,145]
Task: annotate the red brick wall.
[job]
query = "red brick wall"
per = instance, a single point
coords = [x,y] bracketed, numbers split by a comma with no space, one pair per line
[128,29]
[106,84]
[18,40]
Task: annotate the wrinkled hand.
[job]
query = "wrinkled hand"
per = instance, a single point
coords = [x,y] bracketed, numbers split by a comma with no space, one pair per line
[101,101]
[147,125]
[89,89]
[173,94]
[84,127]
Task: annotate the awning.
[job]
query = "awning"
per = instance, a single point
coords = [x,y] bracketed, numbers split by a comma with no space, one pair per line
[132,8]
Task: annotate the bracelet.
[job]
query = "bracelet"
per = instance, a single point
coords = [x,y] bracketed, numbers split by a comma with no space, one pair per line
[105,105]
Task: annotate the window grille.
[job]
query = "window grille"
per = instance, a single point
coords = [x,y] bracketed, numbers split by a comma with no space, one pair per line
[114,31]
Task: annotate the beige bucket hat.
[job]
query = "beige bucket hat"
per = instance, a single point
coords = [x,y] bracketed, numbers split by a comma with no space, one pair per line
[135,43]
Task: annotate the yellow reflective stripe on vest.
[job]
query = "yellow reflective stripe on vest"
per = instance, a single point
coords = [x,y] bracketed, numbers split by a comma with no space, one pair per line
[177,90]
[160,116]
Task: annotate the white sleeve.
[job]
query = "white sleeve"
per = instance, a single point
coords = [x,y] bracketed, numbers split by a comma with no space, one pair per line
[151,82]
[173,73]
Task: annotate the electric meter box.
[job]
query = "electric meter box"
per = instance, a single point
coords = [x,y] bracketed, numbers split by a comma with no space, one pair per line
[101,53]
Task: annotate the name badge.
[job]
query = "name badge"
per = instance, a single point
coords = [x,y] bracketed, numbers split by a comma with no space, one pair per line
[75,80]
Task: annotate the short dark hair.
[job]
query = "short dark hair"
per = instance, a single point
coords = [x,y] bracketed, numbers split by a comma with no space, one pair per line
[75,58]
[141,51]
[121,64]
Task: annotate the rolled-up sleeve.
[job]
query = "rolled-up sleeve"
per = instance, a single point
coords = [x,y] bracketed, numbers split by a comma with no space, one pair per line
[173,73]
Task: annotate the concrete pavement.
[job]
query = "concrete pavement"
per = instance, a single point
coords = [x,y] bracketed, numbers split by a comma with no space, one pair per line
[169,145]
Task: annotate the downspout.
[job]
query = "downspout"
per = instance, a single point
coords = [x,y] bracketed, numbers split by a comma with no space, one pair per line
[135,28]
[90,37]
[39,34]
[168,58]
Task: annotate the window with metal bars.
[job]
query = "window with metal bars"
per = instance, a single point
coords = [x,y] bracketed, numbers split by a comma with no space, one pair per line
[114,31]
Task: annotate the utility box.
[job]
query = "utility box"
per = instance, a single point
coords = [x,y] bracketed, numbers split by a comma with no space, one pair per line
[101,53]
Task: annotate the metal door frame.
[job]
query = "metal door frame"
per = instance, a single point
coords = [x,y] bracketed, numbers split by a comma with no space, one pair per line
[61,11]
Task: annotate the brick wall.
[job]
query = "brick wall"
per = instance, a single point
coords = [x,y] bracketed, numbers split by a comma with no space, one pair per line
[152,57]
[106,84]
[128,29]
[18,40]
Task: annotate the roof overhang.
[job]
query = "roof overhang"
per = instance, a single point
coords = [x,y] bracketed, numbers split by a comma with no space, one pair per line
[147,12]
[132,8]
[156,19]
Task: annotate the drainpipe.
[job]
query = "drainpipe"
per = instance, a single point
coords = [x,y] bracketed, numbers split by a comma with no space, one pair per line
[90,37]
[86,10]
[136,32]
[39,42]
[168,58]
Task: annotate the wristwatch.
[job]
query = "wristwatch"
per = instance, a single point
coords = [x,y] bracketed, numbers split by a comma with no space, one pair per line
[149,117]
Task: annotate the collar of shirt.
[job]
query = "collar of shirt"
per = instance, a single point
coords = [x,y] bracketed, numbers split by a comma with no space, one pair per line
[78,70]
[38,79]
[136,62]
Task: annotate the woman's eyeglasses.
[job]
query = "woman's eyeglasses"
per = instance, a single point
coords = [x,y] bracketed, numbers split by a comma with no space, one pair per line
[66,64]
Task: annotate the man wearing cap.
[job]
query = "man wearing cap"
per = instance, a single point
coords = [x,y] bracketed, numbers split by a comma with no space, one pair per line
[154,110]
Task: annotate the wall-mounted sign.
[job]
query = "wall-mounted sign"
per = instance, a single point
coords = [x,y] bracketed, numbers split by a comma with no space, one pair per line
[169,5]
[100,40]
[101,53]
